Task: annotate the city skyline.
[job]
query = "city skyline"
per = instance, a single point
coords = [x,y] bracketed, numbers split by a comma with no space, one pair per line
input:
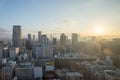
[59,39]
[62,16]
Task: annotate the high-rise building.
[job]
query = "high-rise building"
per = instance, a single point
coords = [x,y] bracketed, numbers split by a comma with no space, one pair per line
[63,39]
[74,39]
[54,41]
[13,52]
[44,40]
[45,50]
[33,37]
[1,52]
[5,50]
[39,36]
[17,36]
[29,37]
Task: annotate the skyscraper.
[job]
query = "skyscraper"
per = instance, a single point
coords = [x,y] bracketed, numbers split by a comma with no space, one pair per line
[33,37]
[17,36]
[74,39]
[63,39]
[1,52]
[45,50]
[29,37]
[39,36]
[44,40]
[54,41]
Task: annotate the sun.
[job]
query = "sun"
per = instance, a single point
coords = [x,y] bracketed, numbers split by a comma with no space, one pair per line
[98,30]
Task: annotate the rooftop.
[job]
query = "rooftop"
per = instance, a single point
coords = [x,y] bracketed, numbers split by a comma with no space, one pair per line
[24,65]
[74,74]
[113,73]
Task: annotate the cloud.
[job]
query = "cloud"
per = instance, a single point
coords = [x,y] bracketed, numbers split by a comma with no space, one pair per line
[70,23]
[5,33]
[3,30]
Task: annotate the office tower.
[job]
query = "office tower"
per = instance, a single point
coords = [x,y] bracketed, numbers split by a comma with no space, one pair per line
[33,37]
[5,50]
[74,39]
[24,43]
[45,50]
[14,52]
[63,39]
[1,52]
[29,37]
[54,41]
[29,42]
[17,36]
[44,40]
[39,36]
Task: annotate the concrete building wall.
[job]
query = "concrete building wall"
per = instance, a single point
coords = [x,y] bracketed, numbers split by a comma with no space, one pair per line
[38,73]
[24,71]
[44,52]
[1,53]
[111,75]
[74,39]
[13,52]
[7,73]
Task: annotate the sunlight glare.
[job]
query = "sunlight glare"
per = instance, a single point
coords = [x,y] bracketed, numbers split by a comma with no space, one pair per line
[99,30]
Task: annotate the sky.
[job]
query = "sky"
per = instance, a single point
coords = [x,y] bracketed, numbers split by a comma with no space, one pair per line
[59,16]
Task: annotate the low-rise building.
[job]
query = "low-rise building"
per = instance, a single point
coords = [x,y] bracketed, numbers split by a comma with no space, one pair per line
[73,76]
[7,71]
[38,72]
[24,71]
[111,75]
